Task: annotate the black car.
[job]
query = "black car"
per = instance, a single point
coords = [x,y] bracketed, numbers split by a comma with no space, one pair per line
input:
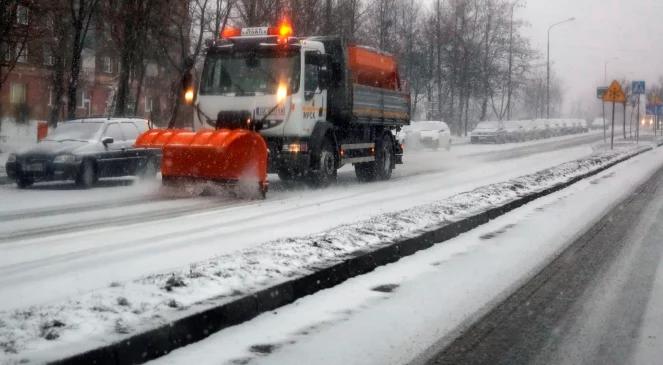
[85,150]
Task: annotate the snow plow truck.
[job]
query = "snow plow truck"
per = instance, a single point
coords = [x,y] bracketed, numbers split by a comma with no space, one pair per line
[270,102]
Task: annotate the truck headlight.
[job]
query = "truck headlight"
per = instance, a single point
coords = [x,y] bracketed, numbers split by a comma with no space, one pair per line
[295,147]
[11,157]
[66,159]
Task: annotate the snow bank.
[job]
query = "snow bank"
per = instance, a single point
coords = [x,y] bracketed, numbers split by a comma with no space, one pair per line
[16,135]
[57,330]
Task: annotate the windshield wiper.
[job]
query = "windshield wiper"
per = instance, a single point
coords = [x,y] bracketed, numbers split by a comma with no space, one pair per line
[67,140]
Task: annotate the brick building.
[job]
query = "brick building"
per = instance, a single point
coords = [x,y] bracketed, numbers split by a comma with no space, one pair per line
[27,93]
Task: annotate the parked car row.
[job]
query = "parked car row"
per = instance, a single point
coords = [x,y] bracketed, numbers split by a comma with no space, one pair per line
[525,130]
[85,150]
[425,134]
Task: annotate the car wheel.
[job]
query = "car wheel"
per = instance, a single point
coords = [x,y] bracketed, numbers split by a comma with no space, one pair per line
[87,174]
[149,171]
[24,182]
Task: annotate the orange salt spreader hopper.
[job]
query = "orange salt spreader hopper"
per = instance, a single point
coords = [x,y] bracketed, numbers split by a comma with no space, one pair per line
[236,157]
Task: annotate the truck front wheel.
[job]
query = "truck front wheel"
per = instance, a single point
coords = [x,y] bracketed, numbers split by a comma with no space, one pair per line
[326,169]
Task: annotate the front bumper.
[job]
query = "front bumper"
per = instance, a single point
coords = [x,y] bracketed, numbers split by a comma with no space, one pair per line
[297,162]
[48,171]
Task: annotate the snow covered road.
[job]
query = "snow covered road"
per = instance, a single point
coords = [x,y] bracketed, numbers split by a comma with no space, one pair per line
[408,311]
[52,236]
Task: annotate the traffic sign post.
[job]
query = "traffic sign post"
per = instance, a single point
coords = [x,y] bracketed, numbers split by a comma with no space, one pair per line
[614,94]
[638,88]
[600,92]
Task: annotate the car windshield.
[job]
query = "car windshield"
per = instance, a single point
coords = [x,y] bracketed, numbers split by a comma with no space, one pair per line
[74,131]
[428,126]
[488,125]
[250,73]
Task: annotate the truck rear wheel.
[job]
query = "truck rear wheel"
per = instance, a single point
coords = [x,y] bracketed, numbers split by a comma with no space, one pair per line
[381,168]
[326,172]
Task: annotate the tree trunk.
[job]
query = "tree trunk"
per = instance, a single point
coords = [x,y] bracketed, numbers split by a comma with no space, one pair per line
[74,76]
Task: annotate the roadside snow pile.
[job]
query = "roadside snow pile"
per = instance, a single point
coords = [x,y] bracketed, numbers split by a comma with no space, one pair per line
[58,330]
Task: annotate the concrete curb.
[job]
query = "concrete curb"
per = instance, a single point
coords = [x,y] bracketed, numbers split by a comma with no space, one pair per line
[160,341]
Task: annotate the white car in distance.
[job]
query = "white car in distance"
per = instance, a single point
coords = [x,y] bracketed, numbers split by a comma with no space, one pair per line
[425,134]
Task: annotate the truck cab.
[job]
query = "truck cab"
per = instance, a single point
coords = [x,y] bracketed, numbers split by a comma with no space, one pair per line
[297,92]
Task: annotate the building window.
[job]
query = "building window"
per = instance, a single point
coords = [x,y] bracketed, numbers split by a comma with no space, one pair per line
[49,60]
[22,15]
[83,100]
[148,104]
[23,55]
[107,65]
[17,93]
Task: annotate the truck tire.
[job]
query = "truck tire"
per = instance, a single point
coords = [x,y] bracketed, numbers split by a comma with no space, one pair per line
[326,169]
[381,168]
[384,158]
[285,175]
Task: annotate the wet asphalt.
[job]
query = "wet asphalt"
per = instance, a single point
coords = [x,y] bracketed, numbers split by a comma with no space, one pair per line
[588,306]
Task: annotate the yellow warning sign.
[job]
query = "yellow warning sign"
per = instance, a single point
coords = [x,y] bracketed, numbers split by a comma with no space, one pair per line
[615,93]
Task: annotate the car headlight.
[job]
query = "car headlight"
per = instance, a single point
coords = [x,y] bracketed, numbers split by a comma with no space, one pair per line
[66,159]
[11,158]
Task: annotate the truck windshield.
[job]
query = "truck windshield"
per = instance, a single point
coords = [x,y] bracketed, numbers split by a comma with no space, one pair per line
[249,73]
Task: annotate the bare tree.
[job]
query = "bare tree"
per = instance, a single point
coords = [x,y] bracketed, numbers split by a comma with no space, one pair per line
[14,32]
[181,44]
[81,12]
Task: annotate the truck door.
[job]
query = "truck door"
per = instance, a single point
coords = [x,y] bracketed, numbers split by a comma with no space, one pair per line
[314,96]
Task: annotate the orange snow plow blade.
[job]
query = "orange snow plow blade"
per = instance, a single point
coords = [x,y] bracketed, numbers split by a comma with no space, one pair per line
[235,157]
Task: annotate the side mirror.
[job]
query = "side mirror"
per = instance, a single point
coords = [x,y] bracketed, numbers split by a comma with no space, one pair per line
[107,140]
[308,95]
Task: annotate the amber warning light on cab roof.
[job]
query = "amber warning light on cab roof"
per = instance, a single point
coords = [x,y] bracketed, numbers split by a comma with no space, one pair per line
[283,31]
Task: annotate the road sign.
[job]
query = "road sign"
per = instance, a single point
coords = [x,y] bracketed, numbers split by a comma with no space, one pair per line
[653,109]
[638,87]
[615,93]
[600,91]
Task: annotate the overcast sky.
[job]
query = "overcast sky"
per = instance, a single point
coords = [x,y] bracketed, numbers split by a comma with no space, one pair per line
[626,33]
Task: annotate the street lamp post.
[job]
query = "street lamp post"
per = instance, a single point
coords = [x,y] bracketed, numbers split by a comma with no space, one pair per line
[510,83]
[548,65]
[605,69]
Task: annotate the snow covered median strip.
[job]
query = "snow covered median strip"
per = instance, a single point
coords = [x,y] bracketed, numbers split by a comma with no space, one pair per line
[145,318]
